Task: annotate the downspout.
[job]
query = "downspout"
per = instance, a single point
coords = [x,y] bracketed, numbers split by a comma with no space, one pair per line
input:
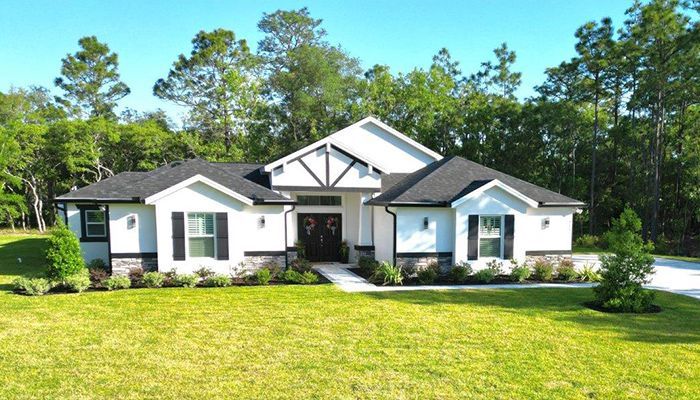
[286,255]
[393,253]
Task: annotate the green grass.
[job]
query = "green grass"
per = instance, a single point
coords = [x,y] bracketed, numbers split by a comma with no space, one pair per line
[318,342]
[28,247]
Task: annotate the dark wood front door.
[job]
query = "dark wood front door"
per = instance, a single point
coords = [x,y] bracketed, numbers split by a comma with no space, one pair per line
[321,235]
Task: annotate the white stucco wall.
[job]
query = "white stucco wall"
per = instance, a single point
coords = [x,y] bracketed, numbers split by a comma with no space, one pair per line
[528,234]
[413,237]
[141,238]
[383,234]
[244,231]
[91,250]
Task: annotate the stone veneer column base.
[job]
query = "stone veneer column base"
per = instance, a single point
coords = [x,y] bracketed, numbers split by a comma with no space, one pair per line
[365,251]
[122,265]
[419,261]
[554,257]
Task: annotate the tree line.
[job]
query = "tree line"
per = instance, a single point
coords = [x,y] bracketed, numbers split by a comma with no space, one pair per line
[615,126]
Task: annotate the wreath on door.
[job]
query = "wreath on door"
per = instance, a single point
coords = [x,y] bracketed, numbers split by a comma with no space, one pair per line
[309,224]
[332,224]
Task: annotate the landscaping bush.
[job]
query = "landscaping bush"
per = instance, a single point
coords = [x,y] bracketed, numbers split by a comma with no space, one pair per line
[566,270]
[301,265]
[625,271]
[344,251]
[495,266]
[291,276]
[217,281]
[63,256]
[135,274]
[543,270]
[204,273]
[98,276]
[117,282]
[308,278]
[387,274]
[77,283]
[428,275]
[97,263]
[520,273]
[301,250]
[588,274]
[275,270]
[460,272]
[367,264]
[586,241]
[485,275]
[263,276]
[153,279]
[31,286]
[185,280]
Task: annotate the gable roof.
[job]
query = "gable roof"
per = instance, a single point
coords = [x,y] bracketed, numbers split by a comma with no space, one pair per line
[243,179]
[338,144]
[444,182]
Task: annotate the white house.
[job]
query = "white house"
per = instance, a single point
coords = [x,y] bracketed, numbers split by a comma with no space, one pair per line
[386,195]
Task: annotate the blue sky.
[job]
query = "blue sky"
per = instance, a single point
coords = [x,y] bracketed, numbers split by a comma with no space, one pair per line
[148,35]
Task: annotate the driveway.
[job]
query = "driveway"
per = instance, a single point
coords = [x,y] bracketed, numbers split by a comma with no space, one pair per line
[675,276]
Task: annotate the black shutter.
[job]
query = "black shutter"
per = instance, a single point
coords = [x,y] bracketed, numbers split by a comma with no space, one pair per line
[508,245]
[221,236]
[473,241]
[178,235]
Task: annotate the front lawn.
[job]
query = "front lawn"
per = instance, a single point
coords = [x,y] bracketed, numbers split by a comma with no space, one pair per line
[318,342]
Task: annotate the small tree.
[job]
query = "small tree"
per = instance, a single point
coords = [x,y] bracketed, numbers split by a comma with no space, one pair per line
[624,272]
[63,256]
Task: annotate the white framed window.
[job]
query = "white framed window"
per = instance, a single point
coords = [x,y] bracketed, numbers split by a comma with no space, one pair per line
[490,238]
[95,223]
[201,241]
[314,200]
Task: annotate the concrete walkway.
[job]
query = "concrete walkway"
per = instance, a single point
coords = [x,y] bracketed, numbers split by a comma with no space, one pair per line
[349,282]
[675,276]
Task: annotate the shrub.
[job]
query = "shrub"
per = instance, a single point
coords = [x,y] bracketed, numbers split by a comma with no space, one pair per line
[63,256]
[135,274]
[520,273]
[428,275]
[263,276]
[204,273]
[367,264]
[186,280]
[275,270]
[543,270]
[495,266]
[97,263]
[32,286]
[485,275]
[117,282]
[217,281]
[169,277]
[301,265]
[308,278]
[387,274]
[460,272]
[566,270]
[625,271]
[586,241]
[291,276]
[344,251]
[409,271]
[98,276]
[588,274]
[301,250]
[77,283]
[153,279]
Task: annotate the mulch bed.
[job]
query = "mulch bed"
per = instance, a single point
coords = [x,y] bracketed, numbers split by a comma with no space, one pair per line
[442,280]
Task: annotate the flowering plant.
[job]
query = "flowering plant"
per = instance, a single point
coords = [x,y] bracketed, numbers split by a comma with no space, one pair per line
[309,224]
[332,224]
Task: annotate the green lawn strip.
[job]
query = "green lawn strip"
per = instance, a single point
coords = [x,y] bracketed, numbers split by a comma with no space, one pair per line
[29,247]
[319,342]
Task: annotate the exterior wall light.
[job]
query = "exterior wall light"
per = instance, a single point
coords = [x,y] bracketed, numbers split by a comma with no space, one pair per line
[261,222]
[131,221]
[545,223]
[426,223]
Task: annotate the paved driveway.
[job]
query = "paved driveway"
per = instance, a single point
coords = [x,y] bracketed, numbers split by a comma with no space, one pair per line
[681,277]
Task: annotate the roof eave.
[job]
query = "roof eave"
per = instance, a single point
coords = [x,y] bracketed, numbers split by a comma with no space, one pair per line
[563,204]
[61,199]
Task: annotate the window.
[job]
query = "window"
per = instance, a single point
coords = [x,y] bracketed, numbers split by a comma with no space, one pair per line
[200,234]
[95,223]
[490,236]
[319,200]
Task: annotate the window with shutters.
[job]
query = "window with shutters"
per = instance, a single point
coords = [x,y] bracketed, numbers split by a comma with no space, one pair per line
[490,236]
[95,223]
[201,240]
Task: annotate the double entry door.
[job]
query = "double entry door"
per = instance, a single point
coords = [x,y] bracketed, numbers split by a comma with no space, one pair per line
[321,235]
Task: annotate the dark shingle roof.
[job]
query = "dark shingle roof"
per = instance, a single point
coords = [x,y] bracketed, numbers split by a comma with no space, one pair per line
[244,179]
[451,178]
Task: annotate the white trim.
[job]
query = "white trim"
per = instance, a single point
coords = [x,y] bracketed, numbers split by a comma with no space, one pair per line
[330,139]
[495,183]
[195,179]
[188,236]
[103,223]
